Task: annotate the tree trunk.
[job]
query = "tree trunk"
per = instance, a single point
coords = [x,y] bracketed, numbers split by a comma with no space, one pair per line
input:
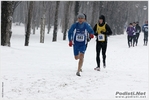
[42,29]
[49,18]
[26,15]
[66,16]
[49,22]
[55,22]
[6,23]
[76,10]
[33,26]
[49,27]
[93,14]
[34,17]
[27,35]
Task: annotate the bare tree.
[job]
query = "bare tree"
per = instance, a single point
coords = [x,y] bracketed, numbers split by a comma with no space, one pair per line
[49,19]
[66,16]
[93,13]
[55,22]
[76,9]
[42,28]
[26,8]
[28,31]
[15,5]
[35,11]
[6,22]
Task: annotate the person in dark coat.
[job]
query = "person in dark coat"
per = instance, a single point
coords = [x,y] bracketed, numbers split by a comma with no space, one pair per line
[101,31]
[134,33]
[130,31]
[138,30]
[145,30]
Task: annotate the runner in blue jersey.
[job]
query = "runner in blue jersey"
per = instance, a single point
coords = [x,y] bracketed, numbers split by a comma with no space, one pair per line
[77,36]
[145,30]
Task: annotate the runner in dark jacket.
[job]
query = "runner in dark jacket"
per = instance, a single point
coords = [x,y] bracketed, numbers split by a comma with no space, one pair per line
[138,30]
[130,30]
[101,30]
[134,33]
[145,30]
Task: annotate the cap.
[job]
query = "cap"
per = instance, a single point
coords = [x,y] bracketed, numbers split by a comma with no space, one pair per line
[102,17]
[80,15]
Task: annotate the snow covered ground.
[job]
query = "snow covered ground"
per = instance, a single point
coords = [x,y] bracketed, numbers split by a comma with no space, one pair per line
[47,71]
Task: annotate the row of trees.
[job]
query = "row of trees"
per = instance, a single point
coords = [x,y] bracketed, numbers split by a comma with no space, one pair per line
[35,14]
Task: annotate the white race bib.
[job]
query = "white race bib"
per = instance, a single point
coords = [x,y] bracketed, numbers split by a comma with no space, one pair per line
[134,33]
[146,29]
[101,37]
[80,37]
[137,31]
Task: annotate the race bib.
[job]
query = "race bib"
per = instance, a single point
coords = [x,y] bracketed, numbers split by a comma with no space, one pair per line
[134,33]
[138,31]
[101,37]
[146,29]
[80,37]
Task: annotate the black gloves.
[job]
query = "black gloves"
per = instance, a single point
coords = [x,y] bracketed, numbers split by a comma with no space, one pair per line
[103,32]
[96,34]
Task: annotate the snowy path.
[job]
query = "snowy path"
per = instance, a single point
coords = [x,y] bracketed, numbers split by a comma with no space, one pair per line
[47,71]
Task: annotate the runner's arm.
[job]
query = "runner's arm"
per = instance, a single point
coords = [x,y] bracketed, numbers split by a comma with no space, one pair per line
[95,27]
[139,29]
[143,28]
[108,30]
[70,32]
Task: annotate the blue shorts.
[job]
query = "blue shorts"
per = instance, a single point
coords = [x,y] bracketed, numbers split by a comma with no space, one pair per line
[79,49]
